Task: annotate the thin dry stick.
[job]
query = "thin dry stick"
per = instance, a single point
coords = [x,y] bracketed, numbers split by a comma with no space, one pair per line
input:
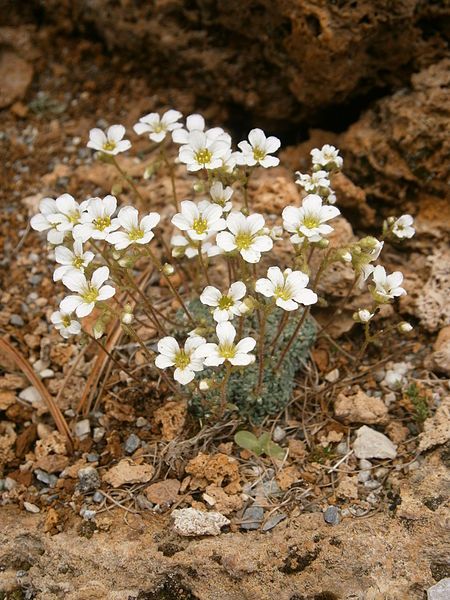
[28,371]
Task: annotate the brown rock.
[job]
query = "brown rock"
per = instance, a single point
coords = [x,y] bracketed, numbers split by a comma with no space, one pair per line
[52,463]
[219,469]
[163,492]
[297,449]
[360,408]
[16,75]
[348,488]
[287,477]
[6,399]
[436,429]
[7,440]
[224,503]
[127,471]
[172,417]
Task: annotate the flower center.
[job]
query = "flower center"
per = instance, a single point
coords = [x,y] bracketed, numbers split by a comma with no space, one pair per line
[200,225]
[258,154]
[78,262]
[227,351]
[243,240]
[135,234]
[102,223]
[90,295]
[109,146]
[158,128]
[66,320]
[182,360]
[74,216]
[311,221]
[225,303]
[203,156]
[283,292]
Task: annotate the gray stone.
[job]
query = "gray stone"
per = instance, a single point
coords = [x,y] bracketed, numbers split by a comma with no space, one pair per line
[16,320]
[273,521]
[89,479]
[45,477]
[92,457]
[132,443]
[278,434]
[332,515]
[31,395]
[141,422]
[98,497]
[32,508]
[440,591]
[82,429]
[373,444]
[99,433]
[252,517]
[87,513]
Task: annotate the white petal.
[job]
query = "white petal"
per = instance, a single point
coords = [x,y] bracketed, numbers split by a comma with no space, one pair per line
[66,204]
[236,222]
[99,276]
[70,303]
[195,122]
[265,287]
[226,241]
[225,332]
[306,297]
[183,376]
[286,304]
[242,360]
[251,256]
[237,290]
[168,346]
[276,276]
[141,128]
[128,217]
[105,292]
[162,361]
[257,138]
[63,255]
[210,296]
[75,281]
[97,138]
[84,309]
[115,133]
[150,221]
[246,345]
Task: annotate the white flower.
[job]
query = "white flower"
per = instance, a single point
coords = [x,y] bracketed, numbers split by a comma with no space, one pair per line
[221,195]
[366,251]
[157,126]
[45,221]
[110,143]
[183,246]
[363,315]
[226,350]
[68,214]
[96,222]
[309,220]
[246,235]
[402,228]
[199,220]
[311,183]
[185,360]
[71,260]
[88,292]
[288,288]
[258,150]
[226,305]
[386,287]
[203,151]
[134,232]
[276,233]
[65,324]
[197,123]
[327,157]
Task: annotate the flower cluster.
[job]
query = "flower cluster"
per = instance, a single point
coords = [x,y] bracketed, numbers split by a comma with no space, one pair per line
[97,243]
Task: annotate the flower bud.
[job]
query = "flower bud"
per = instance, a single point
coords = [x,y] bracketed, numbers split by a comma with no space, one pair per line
[345,255]
[404,327]
[127,315]
[98,329]
[362,316]
[168,269]
[368,244]
[199,187]
[204,385]
[323,243]
[247,306]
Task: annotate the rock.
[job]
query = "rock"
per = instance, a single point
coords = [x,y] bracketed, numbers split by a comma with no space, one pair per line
[436,429]
[273,521]
[332,515]
[99,433]
[373,444]
[52,463]
[7,399]
[163,492]
[395,376]
[440,591]
[172,417]
[98,497]
[141,422]
[439,360]
[47,479]
[360,408]
[89,479]
[87,513]
[32,508]
[332,376]
[218,469]
[252,517]
[224,503]
[16,75]
[132,443]
[348,488]
[287,477]
[127,471]
[16,320]
[82,429]
[278,434]
[192,522]
[31,395]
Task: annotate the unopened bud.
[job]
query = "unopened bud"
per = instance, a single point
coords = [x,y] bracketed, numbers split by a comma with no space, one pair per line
[98,329]
[127,315]
[404,327]
[204,385]
[247,306]
[362,316]
[346,256]
[323,243]
[168,269]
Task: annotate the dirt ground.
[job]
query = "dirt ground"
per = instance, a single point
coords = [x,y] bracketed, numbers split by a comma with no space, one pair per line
[57,540]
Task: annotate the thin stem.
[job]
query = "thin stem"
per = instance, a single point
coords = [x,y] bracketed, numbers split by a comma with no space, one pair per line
[203,265]
[170,284]
[172,178]
[223,389]
[148,305]
[262,333]
[292,338]
[281,326]
[111,357]
[128,179]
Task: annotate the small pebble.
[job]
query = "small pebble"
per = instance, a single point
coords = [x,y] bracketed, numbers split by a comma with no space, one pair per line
[372,485]
[389,398]
[92,457]
[98,497]
[99,433]
[440,591]
[87,513]
[342,448]
[141,422]
[32,508]
[273,521]
[46,373]
[332,515]
[332,376]
[45,477]
[30,394]
[372,498]
[132,443]
[35,279]
[89,479]
[17,321]
[278,434]
[379,375]
[82,428]
[9,483]
[143,503]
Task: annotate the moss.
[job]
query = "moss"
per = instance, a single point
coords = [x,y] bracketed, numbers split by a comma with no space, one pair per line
[277,386]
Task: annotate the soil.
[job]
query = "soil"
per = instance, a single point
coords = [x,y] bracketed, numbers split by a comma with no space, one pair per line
[67,67]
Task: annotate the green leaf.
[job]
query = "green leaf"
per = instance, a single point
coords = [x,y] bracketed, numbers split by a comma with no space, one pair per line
[246,439]
[274,451]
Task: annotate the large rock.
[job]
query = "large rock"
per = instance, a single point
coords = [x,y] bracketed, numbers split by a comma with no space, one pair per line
[373,444]
[278,59]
